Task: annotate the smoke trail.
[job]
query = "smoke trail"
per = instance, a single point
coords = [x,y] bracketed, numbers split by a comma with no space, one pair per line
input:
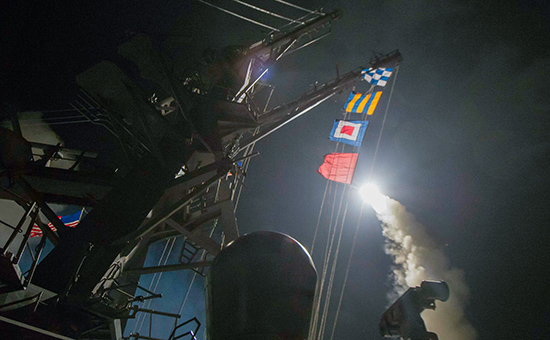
[417,258]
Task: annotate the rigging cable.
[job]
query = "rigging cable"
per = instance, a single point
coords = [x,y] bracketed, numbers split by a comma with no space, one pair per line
[324,317]
[347,271]
[203,256]
[62,110]
[333,271]
[249,149]
[362,206]
[151,284]
[321,210]
[56,123]
[298,7]
[328,249]
[320,287]
[173,239]
[383,123]
[239,16]
[328,245]
[305,19]
[336,254]
[268,12]
[41,119]
[319,219]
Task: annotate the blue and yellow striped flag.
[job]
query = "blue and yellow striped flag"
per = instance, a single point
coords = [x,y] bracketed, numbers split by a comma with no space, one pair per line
[358,102]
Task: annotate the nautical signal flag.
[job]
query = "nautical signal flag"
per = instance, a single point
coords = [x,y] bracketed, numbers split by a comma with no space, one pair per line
[69,221]
[339,167]
[378,77]
[358,102]
[349,131]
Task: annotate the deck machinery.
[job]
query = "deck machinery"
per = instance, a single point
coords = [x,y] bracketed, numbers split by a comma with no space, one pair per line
[185,149]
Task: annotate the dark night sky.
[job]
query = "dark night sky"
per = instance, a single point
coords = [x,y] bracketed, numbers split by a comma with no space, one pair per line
[465,148]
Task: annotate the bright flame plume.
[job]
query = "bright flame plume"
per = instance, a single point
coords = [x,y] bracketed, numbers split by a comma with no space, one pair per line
[417,257]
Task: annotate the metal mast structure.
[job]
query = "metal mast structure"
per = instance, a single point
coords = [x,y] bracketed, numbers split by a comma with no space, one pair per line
[186,150]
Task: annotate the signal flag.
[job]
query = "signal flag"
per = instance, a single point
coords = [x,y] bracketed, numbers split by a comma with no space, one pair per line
[349,131]
[378,77]
[339,167]
[358,102]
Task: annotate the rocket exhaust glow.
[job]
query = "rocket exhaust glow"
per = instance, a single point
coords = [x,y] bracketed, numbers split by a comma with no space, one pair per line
[416,257]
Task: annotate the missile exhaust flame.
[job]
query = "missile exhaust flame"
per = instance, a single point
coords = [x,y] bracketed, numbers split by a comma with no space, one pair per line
[416,257]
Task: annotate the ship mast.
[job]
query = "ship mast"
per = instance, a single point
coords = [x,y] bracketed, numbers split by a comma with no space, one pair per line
[182,178]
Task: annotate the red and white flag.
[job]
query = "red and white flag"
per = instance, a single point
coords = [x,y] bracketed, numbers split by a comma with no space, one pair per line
[69,221]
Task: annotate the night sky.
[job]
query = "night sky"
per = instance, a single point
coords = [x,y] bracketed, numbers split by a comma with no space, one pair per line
[465,147]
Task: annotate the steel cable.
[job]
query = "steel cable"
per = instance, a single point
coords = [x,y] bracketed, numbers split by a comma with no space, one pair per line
[361,211]
[152,280]
[173,239]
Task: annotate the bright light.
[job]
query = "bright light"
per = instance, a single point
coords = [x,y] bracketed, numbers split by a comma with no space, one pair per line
[374,198]
[370,193]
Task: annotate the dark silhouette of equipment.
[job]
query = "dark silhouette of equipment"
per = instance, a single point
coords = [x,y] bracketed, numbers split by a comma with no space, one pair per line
[175,173]
[403,321]
[261,286]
